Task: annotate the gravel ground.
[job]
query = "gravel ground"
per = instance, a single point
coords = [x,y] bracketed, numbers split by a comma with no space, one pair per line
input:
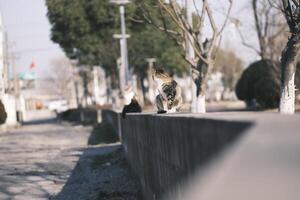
[47,160]
[101,177]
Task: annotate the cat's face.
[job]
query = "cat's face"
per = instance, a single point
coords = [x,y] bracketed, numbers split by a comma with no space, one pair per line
[160,76]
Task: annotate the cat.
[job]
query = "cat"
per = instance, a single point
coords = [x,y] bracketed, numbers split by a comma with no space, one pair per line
[131,105]
[169,97]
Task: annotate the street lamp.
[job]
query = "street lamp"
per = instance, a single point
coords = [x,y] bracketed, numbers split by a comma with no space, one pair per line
[124,72]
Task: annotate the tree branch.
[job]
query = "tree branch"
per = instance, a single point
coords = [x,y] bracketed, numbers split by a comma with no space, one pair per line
[245,43]
[227,17]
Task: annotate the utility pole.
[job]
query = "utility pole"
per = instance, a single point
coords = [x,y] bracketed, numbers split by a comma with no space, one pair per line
[16,80]
[190,53]
[124,69]
[6,64]
[124,43]
[2,58]
[96,87]
[16,89]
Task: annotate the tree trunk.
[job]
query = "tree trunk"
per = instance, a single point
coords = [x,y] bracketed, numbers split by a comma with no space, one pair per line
[200,101]
[200,79]
[259,30]
[288,70]
[140,91]
[200,108]
[143,88]
[287,99]
[194,102]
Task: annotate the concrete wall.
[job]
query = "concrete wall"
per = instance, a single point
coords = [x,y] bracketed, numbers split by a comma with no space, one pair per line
[86,116]
[228,156]
[164,151]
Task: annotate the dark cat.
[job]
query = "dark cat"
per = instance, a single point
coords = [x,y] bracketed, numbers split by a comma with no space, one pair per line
[131,103]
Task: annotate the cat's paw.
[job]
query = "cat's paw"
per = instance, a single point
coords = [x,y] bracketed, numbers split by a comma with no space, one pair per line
[172,110]
[161,112]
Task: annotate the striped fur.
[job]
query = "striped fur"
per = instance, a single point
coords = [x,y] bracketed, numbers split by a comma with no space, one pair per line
[169,98]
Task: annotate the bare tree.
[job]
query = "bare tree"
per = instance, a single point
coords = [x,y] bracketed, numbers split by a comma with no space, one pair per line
[61,77]
[291,10]
[182,28]
[270,28]
[231,67]
[86,77]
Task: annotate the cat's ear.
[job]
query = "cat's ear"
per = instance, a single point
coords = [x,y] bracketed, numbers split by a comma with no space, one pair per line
[171,74]
[160,70]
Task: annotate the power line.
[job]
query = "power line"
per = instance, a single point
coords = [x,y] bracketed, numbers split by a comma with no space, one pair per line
[36,50]
[35,35]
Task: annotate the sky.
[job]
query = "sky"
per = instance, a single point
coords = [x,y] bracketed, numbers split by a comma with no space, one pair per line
[241,10]
[28,30]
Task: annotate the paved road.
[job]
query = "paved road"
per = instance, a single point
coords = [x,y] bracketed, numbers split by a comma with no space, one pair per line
[38,159]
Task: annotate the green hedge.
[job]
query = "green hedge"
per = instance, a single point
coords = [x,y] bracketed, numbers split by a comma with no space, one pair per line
[3,114]
[260,82]
[103,133]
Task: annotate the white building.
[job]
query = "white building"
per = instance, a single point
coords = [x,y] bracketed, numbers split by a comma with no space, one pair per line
[8,100]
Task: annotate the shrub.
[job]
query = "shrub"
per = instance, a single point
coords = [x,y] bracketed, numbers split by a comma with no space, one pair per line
[261,82]
[266,92]
[3,114]
[103,133]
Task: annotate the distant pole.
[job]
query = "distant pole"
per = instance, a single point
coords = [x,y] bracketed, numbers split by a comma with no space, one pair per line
[96,85]
[16,79]
[74,90]
[77,96]
[6,63]
[151,62]
[190,53]
[151,93]
[16,83]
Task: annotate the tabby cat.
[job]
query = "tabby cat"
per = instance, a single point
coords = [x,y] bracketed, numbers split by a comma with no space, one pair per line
[169,97]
